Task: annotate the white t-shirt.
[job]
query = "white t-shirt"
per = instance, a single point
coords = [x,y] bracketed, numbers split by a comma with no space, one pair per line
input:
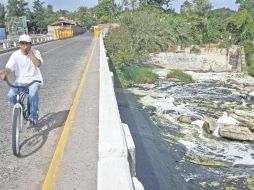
[22,65]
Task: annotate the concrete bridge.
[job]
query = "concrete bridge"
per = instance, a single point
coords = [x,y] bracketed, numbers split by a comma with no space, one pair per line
[89,136]
[80,141]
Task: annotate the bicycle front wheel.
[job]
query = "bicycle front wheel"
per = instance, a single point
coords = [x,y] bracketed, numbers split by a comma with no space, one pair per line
[16,128]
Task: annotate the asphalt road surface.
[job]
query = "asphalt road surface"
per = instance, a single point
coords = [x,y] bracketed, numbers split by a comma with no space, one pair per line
[64,63]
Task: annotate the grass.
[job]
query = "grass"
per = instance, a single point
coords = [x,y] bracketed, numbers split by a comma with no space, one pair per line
[177,74]
[250,69]
[129,75]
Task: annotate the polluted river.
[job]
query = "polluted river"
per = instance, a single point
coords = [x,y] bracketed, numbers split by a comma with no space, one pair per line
[212,118]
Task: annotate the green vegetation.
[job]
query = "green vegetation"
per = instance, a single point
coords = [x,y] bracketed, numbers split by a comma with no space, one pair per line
[2,13]
[106,10]
[40,16]
[249,182]
[215,183]
[231,188]
[152,28]
[202,160]
[177,74]
[251,69]
[130,75]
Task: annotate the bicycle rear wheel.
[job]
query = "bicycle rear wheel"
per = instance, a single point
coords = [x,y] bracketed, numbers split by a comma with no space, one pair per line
[16,128]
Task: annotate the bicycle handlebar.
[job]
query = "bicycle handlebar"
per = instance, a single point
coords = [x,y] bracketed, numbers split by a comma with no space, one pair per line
[25,86]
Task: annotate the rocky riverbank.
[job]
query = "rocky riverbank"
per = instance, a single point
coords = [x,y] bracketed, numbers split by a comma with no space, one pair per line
[211,116]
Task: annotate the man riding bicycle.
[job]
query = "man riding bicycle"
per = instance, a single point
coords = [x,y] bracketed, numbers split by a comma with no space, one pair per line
[25,63]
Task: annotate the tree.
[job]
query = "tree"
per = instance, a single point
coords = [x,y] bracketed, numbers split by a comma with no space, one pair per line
[106,8]
[16,8]
[85,16]
[22,4]
[38,20]
[49,15]
[186,8]
[202,7]
[157,3]
[130,4]
[2,15]
[216,22]
[248,5]
[241,27]
[198,28]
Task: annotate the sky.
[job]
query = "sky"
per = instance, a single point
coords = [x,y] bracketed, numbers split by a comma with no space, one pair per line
[72,5]
[215,3]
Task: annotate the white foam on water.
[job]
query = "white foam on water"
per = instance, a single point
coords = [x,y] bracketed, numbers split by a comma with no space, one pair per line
[161,74]
[251,93]
[189,145]
[237,153]
[232,152]
[211,75]
[225,119]
[198,122]
[165,104]
[216,131]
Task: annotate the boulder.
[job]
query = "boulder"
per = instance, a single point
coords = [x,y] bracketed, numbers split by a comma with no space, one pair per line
[206,128]
[236,132]
[185,119]
[234,84]
[209,125]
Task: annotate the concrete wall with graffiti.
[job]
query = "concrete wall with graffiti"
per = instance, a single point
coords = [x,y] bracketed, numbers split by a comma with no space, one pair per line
[219,61]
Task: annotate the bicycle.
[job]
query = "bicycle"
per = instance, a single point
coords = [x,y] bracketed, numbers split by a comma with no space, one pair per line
[20,114]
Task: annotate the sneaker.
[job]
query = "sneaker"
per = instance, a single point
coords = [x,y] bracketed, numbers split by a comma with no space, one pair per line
[32,123]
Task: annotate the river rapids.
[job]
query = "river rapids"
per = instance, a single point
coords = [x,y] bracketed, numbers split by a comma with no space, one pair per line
[180,109]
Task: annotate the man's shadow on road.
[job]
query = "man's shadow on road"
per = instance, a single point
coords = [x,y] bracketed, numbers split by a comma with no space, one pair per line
[46,124]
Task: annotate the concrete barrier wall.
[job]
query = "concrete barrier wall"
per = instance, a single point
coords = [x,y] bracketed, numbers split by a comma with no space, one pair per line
[13,43]
[116,165]
[185,61]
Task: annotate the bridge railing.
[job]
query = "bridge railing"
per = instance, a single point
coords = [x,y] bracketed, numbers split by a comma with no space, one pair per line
[116,165]
[13,42]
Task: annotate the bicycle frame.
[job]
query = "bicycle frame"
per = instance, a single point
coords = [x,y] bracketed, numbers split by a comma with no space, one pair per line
[20,111]
[23,91]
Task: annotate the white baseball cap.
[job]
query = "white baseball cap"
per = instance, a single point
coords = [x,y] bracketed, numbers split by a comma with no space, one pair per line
[25,38]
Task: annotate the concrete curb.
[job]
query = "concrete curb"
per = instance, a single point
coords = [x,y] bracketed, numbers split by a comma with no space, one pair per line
[116,165]
[131,149]
[114,174]
[111,137]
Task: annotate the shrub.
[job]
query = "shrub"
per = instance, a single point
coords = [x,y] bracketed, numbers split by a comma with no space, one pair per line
[130,75]
[195,49]
[248,50]
[179,75]
[119,45]
[251,69]
[104,20]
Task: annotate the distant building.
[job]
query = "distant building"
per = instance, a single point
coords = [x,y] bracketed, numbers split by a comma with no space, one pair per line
[64,23]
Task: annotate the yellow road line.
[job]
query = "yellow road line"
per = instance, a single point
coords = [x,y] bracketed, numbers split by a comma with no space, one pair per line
[59,152]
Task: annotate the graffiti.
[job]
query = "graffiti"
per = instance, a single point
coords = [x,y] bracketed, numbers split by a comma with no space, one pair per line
[184,59]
